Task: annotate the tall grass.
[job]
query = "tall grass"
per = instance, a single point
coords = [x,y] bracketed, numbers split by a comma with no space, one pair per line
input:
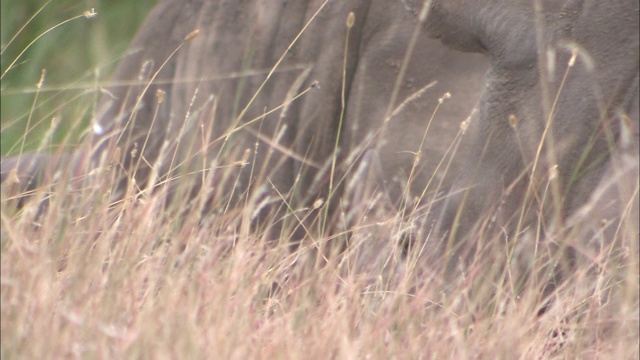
[90,279]
[142,277]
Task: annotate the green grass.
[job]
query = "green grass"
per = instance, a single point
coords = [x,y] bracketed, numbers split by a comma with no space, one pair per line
[76,56]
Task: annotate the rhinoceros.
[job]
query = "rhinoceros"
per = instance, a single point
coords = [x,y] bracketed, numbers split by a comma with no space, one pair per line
[303,91]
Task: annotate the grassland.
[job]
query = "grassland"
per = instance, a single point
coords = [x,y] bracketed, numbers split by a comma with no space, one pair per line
[135,278]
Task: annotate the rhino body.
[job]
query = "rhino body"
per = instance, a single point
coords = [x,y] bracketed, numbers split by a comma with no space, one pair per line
[219,100]
[558,117]
[214,79]
[213,108]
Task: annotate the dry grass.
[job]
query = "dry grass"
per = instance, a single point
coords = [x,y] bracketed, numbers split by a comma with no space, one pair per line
[92,277]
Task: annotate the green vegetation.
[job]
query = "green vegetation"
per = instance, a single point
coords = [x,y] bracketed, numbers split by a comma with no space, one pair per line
[77,55]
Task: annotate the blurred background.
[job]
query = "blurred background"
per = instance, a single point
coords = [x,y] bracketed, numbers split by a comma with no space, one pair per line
[76,55]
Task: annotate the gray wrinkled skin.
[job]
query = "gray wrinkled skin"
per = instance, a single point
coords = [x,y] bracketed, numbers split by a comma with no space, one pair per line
[510,182]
